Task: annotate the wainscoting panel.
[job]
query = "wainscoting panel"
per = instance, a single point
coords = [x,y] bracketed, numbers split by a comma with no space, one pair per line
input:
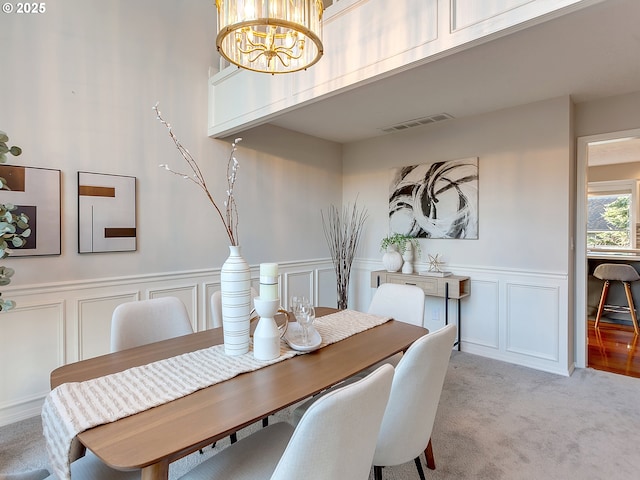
[470,12]
[55,324]
[479,314]
[94,323]
[516,316]
[532,331]
[31,346]
[300,283]
[189,296]
[326,287]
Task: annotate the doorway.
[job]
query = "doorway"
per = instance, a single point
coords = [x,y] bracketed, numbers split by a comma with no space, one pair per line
[586,146]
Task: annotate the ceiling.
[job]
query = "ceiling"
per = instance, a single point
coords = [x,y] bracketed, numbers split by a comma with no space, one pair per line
[589,54]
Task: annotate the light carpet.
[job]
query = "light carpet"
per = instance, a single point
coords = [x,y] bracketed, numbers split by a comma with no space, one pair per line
[496,421]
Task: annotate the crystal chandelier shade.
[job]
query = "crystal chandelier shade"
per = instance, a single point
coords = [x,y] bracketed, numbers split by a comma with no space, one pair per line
[270,36]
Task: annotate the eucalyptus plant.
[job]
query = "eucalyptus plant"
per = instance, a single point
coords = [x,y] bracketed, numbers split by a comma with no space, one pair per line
[400,240]
[4,149]
[14,227]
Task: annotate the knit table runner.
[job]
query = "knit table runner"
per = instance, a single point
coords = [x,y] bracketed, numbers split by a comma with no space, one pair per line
[74,407]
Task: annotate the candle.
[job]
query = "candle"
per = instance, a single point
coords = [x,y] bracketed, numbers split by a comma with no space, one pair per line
[269,281]
[268,269]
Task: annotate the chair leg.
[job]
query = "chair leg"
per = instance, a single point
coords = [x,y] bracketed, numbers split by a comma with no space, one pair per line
[233,437]
[603,297]
[419,467]
[428,453]
[632,308]
[377,472]
[265,422]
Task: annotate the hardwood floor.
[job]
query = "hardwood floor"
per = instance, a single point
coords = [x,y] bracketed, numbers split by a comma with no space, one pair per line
[614,348]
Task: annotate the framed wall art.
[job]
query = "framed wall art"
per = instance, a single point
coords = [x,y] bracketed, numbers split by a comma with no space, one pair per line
[435,200]
[106,213]
[35,192]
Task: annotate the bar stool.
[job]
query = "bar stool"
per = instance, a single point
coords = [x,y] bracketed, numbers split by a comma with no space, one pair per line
[621,272]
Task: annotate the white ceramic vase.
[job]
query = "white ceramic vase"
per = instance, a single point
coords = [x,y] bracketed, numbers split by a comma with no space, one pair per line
[235,288]
[392,260]
[407,256]
[266,337]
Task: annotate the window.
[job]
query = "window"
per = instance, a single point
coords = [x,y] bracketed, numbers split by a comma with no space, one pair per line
[611,215]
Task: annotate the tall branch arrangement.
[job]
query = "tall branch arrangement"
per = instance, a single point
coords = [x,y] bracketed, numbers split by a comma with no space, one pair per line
[229,217]
[343,231]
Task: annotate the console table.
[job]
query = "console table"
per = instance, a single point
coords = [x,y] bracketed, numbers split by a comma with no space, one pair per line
[451,287]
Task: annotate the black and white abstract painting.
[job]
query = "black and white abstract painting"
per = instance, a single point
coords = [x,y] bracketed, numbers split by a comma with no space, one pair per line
[435,200]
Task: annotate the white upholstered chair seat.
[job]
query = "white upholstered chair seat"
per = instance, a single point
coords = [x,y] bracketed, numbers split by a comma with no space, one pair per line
[335,439]
[30,475]
[91,467]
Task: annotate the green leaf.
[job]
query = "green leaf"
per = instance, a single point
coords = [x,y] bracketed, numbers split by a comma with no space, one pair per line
[3,137]
[7,304]
[7,271]
[26,233]
[3,147]
[15,151]
[3,157]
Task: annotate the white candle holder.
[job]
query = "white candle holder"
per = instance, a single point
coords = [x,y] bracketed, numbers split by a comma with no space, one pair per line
[266,337]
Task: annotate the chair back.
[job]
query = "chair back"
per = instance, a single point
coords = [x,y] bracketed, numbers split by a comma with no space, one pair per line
[413,402]
[216,306]
[400,302]
[337,435]
[146,321]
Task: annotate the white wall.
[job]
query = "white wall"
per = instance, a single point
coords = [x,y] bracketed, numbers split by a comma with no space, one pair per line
[520,265]
[77,88]
[524,175]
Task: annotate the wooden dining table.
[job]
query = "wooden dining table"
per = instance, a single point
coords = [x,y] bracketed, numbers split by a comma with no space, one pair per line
[152,439]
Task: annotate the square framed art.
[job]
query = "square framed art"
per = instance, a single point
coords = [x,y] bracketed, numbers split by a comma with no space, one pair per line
[106,213]
[35,192]
[435,200]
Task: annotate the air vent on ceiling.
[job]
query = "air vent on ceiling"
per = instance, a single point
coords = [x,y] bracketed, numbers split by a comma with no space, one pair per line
[416,122]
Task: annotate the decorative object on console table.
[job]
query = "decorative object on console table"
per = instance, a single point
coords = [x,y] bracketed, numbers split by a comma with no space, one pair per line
[449,287]
[435,267]
[407,256]
[396,246]
[343,232]
[392,260]
[235,276]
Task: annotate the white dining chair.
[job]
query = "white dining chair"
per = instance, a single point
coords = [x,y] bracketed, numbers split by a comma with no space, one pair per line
[415,394]
[335,439]
[147,321]
[404,303]
[91,467]
[410,414]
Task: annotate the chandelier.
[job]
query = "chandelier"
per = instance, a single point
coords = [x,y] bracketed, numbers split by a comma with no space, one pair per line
[270,36]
